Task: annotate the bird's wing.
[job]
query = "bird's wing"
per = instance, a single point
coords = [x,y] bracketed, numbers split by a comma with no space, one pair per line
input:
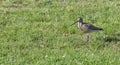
[92,27]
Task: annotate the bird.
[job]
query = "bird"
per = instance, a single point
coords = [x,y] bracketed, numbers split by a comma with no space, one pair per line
[86,28]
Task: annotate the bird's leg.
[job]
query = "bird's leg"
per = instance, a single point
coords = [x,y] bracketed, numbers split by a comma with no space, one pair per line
[87,38]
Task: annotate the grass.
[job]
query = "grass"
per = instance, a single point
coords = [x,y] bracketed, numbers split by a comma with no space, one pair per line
[34,32]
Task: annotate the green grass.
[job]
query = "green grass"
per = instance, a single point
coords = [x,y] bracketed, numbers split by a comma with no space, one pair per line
[34,32]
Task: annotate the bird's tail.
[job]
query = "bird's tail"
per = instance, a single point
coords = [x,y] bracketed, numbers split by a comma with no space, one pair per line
[100,28]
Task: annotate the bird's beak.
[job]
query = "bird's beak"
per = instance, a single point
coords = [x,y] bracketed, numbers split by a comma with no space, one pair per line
[73,23]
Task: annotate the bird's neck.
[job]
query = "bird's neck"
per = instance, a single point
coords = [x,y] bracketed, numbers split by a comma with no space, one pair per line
[79,24]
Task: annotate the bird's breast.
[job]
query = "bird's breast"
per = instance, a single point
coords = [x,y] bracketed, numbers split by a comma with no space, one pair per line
[82,27]
[79,25]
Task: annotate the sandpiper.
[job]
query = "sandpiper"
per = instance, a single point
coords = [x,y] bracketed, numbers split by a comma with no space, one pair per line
[86,28]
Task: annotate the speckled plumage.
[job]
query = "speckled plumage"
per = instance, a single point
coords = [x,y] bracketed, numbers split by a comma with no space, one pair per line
[85,27]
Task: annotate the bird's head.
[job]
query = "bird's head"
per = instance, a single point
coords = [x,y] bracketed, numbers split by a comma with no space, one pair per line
[80,20]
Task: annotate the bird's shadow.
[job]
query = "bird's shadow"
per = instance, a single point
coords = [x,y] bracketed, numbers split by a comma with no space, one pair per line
[110,39]
[115,37]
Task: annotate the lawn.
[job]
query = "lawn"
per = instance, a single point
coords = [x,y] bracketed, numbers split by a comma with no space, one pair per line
[38,32]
